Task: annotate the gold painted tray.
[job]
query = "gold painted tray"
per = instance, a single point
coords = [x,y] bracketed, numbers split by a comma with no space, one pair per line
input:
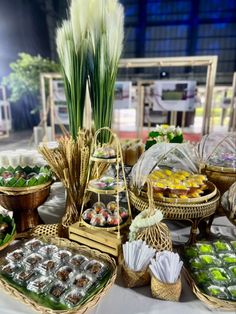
[93,301]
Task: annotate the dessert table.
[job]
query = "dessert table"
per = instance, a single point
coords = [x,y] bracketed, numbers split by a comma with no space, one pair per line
[139,300]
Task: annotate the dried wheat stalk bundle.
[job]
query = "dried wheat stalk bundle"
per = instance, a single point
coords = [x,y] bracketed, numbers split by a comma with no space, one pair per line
[70,163]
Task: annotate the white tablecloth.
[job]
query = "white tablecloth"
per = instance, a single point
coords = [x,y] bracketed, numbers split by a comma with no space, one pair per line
[120,300]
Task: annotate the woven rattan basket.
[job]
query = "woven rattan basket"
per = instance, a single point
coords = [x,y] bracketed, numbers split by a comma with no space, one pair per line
[177,211]
[222,177]
[210,301]
[64,243]
[166,291]
[134,278]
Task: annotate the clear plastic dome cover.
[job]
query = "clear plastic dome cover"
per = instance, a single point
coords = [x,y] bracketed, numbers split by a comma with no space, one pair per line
[218,150]
[164,155]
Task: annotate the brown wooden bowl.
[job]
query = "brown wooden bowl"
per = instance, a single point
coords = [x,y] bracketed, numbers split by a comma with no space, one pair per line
[24,207]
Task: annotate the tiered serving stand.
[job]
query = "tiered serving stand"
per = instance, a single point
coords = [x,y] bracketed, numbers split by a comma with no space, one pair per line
[106,239]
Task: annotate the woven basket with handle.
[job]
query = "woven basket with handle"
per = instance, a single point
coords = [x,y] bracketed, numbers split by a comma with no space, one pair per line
[157,235]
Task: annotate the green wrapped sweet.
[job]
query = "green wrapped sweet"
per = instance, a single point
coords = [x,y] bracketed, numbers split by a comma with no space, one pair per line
[232,270]
[205,248]
[232,291]
[201,277]
[209,260]
[24,177]
[233,243]
[217,291]
[190,252]
[222,246]
[219,275]
[196,264]
[228,258]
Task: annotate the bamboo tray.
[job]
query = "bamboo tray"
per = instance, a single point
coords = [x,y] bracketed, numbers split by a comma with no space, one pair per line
[210,187]
[210,301]
[178,211]
[64,243]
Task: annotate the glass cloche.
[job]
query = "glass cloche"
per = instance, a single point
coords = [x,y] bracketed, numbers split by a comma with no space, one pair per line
[218,151]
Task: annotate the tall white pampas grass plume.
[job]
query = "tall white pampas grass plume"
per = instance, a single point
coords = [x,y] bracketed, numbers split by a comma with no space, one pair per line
[114,24]
[105,47]
[65,48]
[79,15]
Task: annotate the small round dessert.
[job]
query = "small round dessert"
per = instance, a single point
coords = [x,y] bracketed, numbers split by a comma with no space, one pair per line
[98,220]
[112,206]
[123,213]
[20,174]
[104,152]
[33,245]
[64,273]
[77,260]
[88,214]
[98,206]
[114,220]
[179,190]
[105,213]
[73,297]
[95,268]
[82,281]
[159,187]
[7,174]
